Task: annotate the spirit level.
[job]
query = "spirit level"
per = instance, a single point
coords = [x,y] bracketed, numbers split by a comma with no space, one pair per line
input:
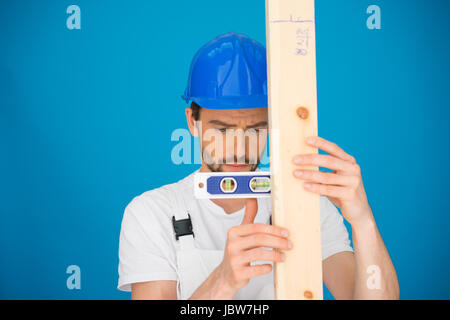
[221,185]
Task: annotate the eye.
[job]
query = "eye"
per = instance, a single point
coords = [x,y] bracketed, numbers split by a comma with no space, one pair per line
[223,130]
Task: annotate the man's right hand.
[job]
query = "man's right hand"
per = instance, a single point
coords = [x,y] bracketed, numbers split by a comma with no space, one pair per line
[243,246]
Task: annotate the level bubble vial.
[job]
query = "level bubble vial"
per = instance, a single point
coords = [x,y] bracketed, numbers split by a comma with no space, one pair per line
[228,185]
[260,184]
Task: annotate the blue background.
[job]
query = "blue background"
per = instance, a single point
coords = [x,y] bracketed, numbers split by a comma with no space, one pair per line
[86,118]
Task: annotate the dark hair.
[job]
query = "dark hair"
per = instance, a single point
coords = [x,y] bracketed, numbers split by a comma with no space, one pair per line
[195,110]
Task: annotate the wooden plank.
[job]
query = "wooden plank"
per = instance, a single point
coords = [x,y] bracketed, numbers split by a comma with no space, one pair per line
[292,94]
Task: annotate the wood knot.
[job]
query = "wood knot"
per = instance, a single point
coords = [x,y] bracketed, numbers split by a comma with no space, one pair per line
[302,112]
[308,295]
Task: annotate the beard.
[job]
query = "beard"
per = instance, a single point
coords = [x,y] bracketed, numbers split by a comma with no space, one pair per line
[218,167]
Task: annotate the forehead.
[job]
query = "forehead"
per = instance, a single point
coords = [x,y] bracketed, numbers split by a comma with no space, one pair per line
[233,115]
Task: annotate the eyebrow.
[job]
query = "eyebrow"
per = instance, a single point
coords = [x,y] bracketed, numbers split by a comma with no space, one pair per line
[221,123]
[224,124]
[258,124]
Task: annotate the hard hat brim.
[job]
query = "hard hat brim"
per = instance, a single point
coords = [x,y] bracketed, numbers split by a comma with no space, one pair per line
[241,102]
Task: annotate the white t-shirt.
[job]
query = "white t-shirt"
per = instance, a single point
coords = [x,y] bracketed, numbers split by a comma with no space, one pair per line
[147,249]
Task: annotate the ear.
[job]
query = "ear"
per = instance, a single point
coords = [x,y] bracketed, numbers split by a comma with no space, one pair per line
[191,122]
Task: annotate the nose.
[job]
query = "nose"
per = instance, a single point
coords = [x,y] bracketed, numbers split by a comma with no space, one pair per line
[240,146]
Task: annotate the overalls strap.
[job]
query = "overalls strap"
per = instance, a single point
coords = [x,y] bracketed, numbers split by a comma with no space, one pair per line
[182,224]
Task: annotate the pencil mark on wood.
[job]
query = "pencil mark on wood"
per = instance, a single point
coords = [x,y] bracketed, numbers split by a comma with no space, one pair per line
[298,20]
[301,52]
[302,37]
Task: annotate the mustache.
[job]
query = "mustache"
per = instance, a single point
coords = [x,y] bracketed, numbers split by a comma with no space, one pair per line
[236,160]
[244,159]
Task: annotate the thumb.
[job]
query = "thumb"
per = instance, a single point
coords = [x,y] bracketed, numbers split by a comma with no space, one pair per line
[251,208]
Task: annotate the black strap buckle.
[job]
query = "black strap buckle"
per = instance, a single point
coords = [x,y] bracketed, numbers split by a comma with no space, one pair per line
[182,227]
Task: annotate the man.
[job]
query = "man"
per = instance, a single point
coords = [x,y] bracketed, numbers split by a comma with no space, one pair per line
[222,257]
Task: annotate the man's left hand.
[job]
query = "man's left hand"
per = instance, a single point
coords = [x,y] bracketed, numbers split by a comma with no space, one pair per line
[343,186]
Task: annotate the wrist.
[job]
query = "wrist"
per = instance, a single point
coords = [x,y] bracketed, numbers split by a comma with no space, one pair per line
[214,288]
[223,290]
[366,221]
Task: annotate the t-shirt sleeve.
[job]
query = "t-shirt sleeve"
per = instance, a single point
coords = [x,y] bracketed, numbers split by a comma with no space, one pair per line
[146,250]
[333,231]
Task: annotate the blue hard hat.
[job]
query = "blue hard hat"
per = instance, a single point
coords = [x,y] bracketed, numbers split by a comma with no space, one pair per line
[229,72]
